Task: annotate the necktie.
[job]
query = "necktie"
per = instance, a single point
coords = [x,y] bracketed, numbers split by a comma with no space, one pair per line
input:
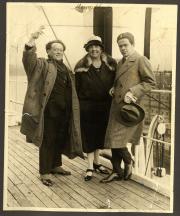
[123,60]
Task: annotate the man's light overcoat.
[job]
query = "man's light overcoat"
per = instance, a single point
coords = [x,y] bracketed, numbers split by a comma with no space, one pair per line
[134,75]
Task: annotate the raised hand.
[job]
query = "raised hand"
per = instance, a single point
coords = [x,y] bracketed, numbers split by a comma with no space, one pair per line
[36,34]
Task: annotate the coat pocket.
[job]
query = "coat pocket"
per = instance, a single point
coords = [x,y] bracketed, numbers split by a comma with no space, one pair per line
[29,122]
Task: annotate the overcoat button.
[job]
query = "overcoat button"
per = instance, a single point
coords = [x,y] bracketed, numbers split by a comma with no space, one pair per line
[44,94]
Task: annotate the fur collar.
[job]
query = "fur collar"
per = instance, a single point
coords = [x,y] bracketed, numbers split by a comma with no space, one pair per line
[84,64]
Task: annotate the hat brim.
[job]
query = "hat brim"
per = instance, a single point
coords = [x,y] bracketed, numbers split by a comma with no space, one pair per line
[123,121]
[93,42]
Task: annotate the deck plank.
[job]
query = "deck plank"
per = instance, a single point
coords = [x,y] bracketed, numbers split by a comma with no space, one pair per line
[18,195]
[150,195]
[96,186]
[26,187]
[110,192]
[129,197]
[65,180]
[26,190]
[11,200]
[135,189]
[30,170]
[15,168]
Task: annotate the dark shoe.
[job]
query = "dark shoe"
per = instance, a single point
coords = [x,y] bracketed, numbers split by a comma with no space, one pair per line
[59,170]
[46,180]
[112,177]
[127,171]
[100,168]
[88,177]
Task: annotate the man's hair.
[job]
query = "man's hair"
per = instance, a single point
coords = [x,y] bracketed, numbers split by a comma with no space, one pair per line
[49,44]
[128,36]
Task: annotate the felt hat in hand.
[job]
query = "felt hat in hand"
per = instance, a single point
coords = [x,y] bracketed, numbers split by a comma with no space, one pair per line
[130,114]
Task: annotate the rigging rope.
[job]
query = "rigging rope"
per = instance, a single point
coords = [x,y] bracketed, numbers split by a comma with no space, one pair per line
[54,34]
[158,101]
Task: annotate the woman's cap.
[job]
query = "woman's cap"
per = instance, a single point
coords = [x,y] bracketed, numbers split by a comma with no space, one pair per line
[93,40]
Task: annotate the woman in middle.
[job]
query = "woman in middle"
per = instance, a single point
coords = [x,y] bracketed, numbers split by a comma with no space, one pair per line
[94,77]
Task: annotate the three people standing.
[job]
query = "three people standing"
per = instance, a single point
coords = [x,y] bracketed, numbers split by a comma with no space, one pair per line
[51,117]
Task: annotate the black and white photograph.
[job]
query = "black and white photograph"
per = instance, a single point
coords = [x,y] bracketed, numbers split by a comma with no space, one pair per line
[90,107]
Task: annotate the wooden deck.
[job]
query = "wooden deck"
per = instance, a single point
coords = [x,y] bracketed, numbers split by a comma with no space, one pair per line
[24,189]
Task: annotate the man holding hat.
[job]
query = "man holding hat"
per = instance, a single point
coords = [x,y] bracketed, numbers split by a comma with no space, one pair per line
[134,78]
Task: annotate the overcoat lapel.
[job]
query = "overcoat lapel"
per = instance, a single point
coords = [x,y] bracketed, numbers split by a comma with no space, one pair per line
[122,68]
[51,77]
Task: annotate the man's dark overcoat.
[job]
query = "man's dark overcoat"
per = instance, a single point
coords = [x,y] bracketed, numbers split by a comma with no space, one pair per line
[41,74]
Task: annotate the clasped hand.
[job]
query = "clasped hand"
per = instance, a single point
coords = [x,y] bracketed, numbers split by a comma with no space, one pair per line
[129,97]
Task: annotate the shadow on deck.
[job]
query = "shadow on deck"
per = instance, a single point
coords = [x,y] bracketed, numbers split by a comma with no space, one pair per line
[70,193]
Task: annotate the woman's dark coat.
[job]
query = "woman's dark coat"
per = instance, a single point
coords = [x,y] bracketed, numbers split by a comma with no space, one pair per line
[93,87]
[41,74]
